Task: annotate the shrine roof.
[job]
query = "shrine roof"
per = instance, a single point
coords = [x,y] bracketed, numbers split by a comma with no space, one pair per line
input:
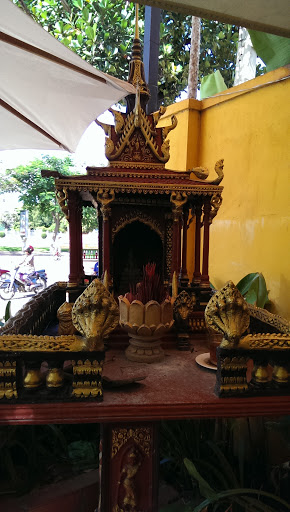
[140,181]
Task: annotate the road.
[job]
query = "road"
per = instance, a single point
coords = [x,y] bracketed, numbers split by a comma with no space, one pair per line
[56,271]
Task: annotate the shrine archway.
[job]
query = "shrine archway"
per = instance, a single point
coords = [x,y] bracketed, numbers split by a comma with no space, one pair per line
[134,245]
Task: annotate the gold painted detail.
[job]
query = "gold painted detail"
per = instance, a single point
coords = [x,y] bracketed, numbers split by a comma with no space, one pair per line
[29,343]
[140,435]
[227,312]
[280,323]
[8,390]
[105,197]
[136,122]
[178,199]
[8,380]
[65,325]
[32,379]
[140,188]
[87,379]
[87,367]
[95,314]
[197,324]
[268,341]
[215,203]
[8,369]
[130,467]
[203,172]
[137,215]
[62,195]
[183,306]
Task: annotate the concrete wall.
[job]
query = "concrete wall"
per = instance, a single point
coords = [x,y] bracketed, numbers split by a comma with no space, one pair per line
[248,126]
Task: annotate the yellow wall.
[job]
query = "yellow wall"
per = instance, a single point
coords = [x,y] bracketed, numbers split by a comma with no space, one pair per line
[250,130]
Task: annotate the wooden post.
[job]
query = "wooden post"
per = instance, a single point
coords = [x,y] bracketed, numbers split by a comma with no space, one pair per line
[129,470]
[197,274]
[75,238]
[175,242]
[183,272]
[205,255]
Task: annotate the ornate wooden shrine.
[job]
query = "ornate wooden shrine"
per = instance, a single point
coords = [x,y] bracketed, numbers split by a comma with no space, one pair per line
[144,209]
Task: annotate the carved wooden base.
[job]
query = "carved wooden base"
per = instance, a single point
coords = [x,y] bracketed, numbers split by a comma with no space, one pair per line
[144,350]
[129,472]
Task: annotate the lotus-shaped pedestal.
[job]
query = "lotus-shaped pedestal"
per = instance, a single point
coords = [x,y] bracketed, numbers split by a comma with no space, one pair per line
[145,324]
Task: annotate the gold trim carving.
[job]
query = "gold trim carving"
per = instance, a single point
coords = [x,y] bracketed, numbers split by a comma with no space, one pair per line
[203,172]
[280,323]
[137,215]
[215,204]
[62,199]
[105,197]
[140,188]
[87,379]
[267,341]
[8,380]
[140,435]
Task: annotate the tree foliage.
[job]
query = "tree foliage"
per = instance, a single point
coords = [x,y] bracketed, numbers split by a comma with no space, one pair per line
[38,194]
[102,32]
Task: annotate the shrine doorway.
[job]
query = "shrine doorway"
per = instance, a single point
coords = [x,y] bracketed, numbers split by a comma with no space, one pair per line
[134,246]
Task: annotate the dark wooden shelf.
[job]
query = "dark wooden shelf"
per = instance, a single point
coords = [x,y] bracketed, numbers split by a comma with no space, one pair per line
[176,388]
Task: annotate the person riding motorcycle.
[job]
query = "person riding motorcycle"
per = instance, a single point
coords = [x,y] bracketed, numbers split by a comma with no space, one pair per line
[27,265]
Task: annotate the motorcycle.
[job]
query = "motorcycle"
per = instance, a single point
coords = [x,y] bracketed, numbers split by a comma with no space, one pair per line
[4,274]
[34,282]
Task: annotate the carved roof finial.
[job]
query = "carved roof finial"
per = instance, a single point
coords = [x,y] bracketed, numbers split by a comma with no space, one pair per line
[136,70]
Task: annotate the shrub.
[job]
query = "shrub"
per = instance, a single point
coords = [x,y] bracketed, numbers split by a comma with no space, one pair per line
[43,235]
[2,234]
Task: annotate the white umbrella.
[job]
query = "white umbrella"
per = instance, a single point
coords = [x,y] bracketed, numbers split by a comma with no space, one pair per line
[48,94]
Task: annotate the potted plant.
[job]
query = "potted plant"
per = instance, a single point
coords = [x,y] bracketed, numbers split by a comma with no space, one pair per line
[146,313]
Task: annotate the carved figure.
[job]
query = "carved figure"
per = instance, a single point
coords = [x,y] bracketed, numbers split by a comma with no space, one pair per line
[127,479]
[65,325]
[95,314]
[203,172]
[182,308]
[227,312]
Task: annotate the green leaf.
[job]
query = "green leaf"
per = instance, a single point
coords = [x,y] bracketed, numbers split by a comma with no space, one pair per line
[273,50]
[78,3]
[90,32]
[205,489]
[254,290]
[212,84]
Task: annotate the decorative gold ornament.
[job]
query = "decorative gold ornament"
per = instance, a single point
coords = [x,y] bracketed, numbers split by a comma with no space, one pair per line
[142,436]
[227,312]
[183,306]
[8,380]
[263,341]
[215,204]
[203,172]
[87,379]
[54,378]
[280,323]
[62,197]
[95,314]
[178,199]
[32,379]
[65,326]
[280,374]
[137,215]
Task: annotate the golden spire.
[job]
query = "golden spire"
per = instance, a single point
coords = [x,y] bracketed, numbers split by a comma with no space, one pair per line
[136,21]
[136,70]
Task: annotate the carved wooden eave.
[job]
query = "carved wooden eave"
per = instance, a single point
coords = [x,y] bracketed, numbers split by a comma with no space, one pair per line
[133,185]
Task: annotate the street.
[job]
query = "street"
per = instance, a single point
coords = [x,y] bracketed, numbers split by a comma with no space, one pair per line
[56,271]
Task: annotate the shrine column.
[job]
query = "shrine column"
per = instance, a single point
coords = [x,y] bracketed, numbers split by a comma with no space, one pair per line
[129,471]
[75,237]
[183,270]
[178,199]
[205,253]
[105,197]
[196,273]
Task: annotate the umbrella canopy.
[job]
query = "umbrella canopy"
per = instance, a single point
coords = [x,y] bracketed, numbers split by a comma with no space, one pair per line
[48,94]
